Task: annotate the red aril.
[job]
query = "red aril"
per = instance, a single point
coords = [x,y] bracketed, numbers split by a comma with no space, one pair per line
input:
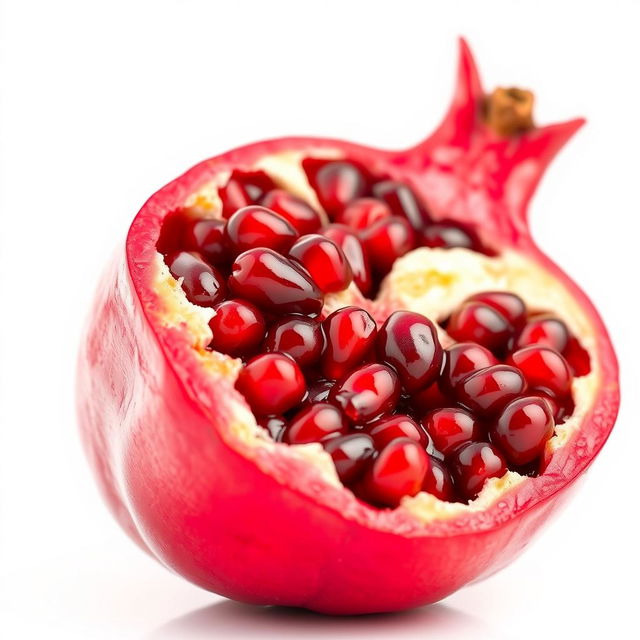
[402,201]
[486,391]
[254,227]
[354,251]
[351,454]
[509,305]
[297,336]
[242,189]
[319,390]
[438,482]
[473,464]
[385,430]
[544,369]
[315,423]
[203,284]
[482,324]
[275,426]
[206,237]
[450,427]
[447,236]
[545,331]
[238,328]
[462,359]
[362,213]
[386,241]
[300,215]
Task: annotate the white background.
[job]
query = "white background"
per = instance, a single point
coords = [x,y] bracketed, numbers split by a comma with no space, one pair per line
[103,103]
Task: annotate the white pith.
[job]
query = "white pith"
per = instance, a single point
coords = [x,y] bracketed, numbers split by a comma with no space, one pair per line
[429,281]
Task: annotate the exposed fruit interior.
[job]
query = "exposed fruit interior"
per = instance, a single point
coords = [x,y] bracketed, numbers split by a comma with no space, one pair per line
[424,361]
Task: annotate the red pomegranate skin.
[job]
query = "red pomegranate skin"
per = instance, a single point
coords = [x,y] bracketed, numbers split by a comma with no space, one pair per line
[254,524]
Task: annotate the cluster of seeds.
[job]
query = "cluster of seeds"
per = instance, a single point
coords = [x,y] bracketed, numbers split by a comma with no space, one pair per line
[397,413]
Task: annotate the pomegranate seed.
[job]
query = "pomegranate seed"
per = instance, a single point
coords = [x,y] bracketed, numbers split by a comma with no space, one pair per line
[386,241]
[447,236]
[206,236]
[362,213]
[300,215]
[319,391]
[561,408]
[385,430]
[545,331]
[522,429]
[510,305]
[238,328]
[577,357]
[487,391]
[271,383]
[543,369]
[398,471]
[350,334]
[275,425]
[315,422]
[172,231]
[474,463]
[409,343]
[336,183]
[403,202]
[354,251]
[367,393]
[202,283]
[325,262]
[437,481]
[298,336]
[428,399]
[478,322]
[242,189]
[255,226]
[461,360]
[450,427]
[351,455]
[274,283]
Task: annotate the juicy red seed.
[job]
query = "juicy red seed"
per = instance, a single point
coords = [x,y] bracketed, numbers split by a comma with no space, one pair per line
[238,328]
[242,189]
[274,283]
[480,323]
[319,391]
[577,357]
[386,241]
[172,231]
[362,213]
[385,430]
[409,343]
[207,238]
[461,360]
[487,391]
[351,455]
[271,383]
[428,399]
[202,283]
[510,305]
[325,262]
[544,331]
[350,334]
[314,423]
[300,215]
[403,202]
[543,369]
[275,425]
[255,226]
[438,482]
[447,236]
[522,429]
[354,251]
[474,463]
[367,393]
[561,408]
[298,336]
[450,427]
[336,183]
[398,471]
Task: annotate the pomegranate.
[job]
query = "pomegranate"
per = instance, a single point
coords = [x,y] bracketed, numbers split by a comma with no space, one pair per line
[328,376]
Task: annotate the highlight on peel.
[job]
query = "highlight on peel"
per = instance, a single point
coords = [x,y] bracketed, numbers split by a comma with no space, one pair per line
[364,348]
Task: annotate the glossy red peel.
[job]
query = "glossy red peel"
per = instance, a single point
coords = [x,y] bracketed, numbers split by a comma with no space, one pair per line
[256,523]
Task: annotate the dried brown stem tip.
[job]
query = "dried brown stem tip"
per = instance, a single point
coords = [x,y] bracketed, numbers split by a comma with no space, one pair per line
[509,111]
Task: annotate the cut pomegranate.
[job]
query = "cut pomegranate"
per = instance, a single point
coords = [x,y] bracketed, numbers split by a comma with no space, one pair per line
[367,393]
[473,464]
[297,336]
[350,334]
[409,343]
[324,261]
[202,283]
[316,422]
[354,251]
[451,427]
[272,383]
[486,391]
[522,429]
[254,227]
[271,407]
[274,283]
[238,328]
[351,455]
[301,216]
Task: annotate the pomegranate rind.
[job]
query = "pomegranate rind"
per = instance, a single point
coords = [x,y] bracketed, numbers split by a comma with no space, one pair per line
[167,437]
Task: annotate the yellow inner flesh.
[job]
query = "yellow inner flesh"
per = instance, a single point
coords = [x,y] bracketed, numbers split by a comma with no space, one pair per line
[429,281]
